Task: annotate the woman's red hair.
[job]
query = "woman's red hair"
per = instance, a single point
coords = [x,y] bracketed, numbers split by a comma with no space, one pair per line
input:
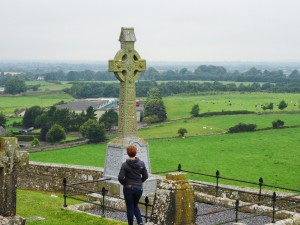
[131,151]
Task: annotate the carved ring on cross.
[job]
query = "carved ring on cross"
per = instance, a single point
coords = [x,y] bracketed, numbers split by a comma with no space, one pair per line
[127,65]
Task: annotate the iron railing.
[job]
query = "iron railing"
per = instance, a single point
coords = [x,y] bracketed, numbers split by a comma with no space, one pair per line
[78,192]
[272,201]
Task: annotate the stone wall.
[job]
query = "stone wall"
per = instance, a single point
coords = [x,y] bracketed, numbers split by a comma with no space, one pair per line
[49,176]
[249,195]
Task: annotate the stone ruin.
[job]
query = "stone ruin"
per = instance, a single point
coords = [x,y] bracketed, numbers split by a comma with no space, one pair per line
[10,159]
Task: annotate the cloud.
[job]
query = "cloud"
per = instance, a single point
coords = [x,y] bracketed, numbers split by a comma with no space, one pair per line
[227,30]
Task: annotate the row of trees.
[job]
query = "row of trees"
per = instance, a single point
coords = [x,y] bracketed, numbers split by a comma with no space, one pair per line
[203,72]
[91,90]
[219,73]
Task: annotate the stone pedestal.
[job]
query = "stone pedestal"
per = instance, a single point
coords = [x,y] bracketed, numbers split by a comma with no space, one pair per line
[116,154]
[175,202]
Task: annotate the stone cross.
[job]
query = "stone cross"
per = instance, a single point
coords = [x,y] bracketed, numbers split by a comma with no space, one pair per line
[10,159]
[127,67]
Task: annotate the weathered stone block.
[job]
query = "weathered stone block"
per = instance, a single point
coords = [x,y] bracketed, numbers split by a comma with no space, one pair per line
[175,202]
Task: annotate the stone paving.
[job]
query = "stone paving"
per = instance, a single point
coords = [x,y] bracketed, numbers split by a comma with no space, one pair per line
[203,220]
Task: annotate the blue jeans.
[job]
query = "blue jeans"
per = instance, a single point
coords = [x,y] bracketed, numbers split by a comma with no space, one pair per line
[132,196]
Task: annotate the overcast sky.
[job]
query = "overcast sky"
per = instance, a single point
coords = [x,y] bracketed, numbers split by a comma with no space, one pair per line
[166,30]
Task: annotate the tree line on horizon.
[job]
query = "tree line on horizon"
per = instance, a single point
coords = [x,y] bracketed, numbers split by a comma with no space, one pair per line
[203,72]
[179,82]
[94,90]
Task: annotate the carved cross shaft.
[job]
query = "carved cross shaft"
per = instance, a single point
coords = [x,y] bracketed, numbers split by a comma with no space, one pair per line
[127,67]
[10,159]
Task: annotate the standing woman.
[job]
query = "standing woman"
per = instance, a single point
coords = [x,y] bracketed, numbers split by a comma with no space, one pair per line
[132,175]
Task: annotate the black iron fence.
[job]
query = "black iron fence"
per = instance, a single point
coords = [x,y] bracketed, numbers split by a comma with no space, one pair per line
[77,191]
[238,208]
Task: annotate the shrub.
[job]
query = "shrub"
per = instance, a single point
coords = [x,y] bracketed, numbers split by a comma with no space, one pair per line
[242,127]
[35,142]
[277,124]
[282,105]
[55,134]
[195,110]
[182,132]
[151,119]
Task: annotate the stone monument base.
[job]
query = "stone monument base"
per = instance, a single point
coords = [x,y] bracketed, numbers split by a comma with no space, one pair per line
[116,189]
[116,154]
[14,220]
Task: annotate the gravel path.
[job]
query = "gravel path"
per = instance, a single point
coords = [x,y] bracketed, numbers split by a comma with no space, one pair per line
[203,220]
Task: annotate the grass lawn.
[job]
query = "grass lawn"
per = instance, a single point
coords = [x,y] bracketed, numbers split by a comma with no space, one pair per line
[88,155]
[180,107]
[33,203]
[272,154]
[9,103]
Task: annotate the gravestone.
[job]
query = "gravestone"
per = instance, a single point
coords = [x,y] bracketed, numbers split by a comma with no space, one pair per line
[127,67]
[10,159]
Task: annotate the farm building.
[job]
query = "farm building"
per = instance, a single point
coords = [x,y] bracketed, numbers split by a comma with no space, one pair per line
[99,104]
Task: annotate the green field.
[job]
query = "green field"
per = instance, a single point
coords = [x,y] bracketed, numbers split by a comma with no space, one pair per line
[180,106]
[42,204]
[272,154]
[47,86]
[9,103]
[216,124]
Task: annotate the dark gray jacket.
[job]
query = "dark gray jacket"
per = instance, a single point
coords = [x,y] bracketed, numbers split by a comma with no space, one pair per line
[133,172]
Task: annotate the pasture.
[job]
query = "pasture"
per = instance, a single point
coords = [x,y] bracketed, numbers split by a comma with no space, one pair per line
[8,104]
[216,124]
[273,154]
[180,106]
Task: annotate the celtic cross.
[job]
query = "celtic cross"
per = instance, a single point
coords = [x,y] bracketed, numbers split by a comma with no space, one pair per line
[127,67]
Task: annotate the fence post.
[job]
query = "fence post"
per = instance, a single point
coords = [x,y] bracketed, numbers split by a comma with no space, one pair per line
[217,186]
[237,203]
[65,191]
[274,201]
[261,181]
[103,192]
[146,204]
[179,167]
